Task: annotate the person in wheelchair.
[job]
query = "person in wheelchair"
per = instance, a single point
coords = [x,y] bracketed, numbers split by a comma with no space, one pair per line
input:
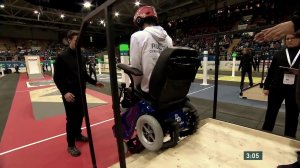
[147,44]
[161,76]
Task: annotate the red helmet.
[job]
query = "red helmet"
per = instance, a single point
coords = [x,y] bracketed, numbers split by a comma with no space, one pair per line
[144,12]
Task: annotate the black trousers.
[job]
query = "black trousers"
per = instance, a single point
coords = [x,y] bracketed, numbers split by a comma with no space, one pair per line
[275,99]
[249,72]
[257,66]
[74,114]
[93,72]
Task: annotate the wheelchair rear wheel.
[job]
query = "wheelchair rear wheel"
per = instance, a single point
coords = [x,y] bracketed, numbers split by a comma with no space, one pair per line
[150,132]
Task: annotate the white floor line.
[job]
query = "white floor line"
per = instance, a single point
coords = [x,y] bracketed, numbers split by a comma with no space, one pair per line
[201,90]
[47,139]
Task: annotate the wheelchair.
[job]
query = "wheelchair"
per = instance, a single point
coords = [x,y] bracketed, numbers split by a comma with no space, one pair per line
[159,118]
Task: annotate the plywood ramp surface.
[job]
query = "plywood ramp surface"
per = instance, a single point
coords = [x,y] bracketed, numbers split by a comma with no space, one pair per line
[220,144]
[255,93]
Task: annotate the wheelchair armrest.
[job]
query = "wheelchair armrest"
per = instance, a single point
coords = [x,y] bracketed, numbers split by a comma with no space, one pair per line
[130,70]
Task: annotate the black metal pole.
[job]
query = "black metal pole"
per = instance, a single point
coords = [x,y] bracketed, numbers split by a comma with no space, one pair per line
[83,101]
[114,84]
[217,62]
[89,132]
[263,72]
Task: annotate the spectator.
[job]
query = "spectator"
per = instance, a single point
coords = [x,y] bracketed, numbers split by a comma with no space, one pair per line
[246,65]
[280,85]
[71,87]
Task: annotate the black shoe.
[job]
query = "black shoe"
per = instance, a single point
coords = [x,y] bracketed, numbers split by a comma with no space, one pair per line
[294,165]
[74,151]
[82,138]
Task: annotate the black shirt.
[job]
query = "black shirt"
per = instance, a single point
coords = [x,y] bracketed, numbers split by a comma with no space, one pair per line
[275,73]
[246,62]
[66,73]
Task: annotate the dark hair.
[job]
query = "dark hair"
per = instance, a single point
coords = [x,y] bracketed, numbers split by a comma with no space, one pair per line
[297,34]
[147,20]
[151,20]
[72,33]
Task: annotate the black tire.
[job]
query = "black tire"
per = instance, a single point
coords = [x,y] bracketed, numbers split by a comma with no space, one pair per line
[150,132]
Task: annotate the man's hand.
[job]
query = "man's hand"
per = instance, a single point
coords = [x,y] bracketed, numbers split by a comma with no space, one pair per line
[275,33]
[69,97]
[266,92]
[99,84]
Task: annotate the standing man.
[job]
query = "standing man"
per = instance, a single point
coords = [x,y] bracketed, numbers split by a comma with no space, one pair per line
[275,33]
[246,65]
[147,44]
[92,69]
[280,85]
[71,83]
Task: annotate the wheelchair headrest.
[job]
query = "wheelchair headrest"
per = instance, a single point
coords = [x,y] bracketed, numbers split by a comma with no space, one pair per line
[173,73]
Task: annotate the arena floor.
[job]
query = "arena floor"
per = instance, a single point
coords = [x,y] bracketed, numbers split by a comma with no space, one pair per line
[32,129]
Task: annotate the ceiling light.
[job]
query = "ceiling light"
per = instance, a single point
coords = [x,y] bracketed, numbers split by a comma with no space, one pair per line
[102,21]
[137,3]
[2,6]
[117,14]
[87,4]
[62,16]
[35,12]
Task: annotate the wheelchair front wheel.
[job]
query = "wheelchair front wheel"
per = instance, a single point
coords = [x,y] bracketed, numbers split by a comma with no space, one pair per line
[150,132]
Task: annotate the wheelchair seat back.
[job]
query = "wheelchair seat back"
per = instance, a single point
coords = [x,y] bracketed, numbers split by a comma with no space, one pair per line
[172,76]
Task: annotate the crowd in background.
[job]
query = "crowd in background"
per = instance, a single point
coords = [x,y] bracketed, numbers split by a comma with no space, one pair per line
[188,32]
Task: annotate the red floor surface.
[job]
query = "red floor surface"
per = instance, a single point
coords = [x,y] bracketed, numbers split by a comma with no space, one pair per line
[22,129]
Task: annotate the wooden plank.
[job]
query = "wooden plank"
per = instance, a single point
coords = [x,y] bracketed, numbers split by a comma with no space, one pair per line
[220,144]
[255,93]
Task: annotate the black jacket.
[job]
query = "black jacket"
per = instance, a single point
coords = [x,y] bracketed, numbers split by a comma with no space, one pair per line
[66,73]
[275,73]
[246,62]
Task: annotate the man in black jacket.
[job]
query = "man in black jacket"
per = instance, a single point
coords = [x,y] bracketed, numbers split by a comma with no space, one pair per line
[246,64]
[71,82]
[276,33]
[92,69]
[280,85]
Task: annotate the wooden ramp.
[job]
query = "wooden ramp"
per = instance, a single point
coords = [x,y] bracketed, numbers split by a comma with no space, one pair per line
[220,144]
[255,93]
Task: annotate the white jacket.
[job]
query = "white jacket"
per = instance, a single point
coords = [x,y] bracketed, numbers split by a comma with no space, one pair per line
[145,48]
